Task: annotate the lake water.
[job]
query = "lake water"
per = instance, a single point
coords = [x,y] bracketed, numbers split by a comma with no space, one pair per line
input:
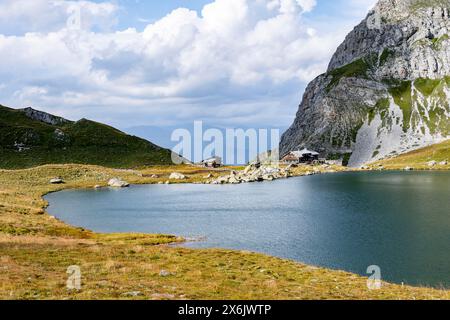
[399,221]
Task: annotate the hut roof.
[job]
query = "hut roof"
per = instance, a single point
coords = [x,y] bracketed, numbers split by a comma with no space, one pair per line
[304,152]
[213,159]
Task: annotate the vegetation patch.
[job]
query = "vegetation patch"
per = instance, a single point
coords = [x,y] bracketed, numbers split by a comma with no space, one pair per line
[437,42]
[424,4]
[381,108]
[402,95]
[346,159]
[385,55]
[436,105]
[426,86]
[357,68]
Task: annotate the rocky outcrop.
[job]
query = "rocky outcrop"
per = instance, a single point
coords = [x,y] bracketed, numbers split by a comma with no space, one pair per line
[254,173]
[44,117]
[387,88]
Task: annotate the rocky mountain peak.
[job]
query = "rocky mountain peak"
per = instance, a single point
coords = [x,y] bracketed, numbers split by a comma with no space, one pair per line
[416,29]
[387,87]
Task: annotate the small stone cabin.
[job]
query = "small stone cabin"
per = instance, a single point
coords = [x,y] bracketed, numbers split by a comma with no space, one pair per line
[213,162]
[303,156]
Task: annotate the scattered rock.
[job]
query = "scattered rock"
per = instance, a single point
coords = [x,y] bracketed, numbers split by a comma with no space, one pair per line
[432,164]
[161,296]
[56,181]
[154,176]
[268,177]
[97,186]
[164,273]
[118,183]
[254,173]
[133,294]
[177,176]
[209,176]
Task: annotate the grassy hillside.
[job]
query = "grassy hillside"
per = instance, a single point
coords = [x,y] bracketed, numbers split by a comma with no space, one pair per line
[36,250]
[26,142]
[420,158]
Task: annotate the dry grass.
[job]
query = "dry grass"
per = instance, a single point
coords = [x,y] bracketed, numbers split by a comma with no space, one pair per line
[420,158]
[36,250]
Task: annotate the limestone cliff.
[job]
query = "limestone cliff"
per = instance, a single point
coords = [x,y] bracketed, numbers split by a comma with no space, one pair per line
[387,88]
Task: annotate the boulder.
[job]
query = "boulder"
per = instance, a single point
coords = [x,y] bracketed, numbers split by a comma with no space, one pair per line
[409,169]
[443,163]
[268,177]
[164,273]
[118,183]
[56,181]
[132,294]
[177,176]
[248,169]
[234,180]
[432,164]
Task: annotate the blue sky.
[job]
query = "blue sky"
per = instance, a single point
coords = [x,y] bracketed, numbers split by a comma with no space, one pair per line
[165,64]
[138,13]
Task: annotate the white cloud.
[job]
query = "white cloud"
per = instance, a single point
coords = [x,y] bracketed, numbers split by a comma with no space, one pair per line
[237,59]
[21,16]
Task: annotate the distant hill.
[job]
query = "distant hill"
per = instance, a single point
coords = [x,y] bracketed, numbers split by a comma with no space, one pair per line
[30,137]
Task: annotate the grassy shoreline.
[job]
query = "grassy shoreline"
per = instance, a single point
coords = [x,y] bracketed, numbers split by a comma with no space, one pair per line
[36,250]
[419,159]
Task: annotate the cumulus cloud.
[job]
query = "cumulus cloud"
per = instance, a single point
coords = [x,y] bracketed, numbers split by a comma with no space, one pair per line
[235,60]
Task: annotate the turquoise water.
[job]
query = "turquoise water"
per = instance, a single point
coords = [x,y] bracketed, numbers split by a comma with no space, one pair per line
[399,221]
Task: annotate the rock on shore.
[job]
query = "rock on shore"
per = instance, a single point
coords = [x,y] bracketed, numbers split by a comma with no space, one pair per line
[177,176]
[118,183]
[254,173]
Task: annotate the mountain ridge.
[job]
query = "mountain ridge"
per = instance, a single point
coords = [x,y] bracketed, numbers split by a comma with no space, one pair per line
[29,137]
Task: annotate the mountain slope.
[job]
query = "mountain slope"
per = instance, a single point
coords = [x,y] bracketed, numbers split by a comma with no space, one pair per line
[420,159]
[29,138]
[387,88]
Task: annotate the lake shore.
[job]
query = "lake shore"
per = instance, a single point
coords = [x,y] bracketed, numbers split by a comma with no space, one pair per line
[36,250]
